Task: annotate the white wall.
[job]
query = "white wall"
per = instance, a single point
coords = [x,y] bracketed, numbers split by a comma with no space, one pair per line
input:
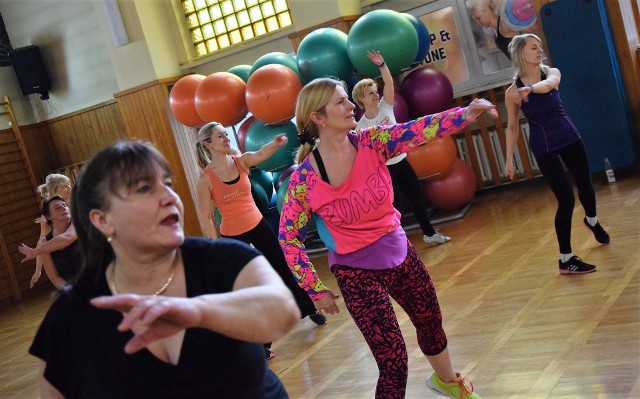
[73,51]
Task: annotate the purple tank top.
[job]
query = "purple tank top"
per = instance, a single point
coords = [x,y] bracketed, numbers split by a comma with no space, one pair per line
[549,125]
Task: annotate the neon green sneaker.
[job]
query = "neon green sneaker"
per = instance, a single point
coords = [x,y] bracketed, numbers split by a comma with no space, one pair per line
[461,388]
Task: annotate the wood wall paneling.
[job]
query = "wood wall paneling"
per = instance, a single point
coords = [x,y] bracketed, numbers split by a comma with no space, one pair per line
[343,24]
[145,112]
[18,206]
[48,146]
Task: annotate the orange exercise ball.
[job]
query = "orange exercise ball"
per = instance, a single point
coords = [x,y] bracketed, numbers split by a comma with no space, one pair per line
[433,159]
[453,191]
[220,98]
[271,93]
[181,100]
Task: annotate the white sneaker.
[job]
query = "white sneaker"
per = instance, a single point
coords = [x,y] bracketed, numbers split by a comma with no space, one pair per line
[436,239]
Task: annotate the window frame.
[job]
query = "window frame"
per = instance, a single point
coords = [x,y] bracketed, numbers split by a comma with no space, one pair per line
[190,45]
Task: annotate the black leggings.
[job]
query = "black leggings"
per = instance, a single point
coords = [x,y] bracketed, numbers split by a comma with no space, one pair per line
[575,159]
[405,181]
[264,240]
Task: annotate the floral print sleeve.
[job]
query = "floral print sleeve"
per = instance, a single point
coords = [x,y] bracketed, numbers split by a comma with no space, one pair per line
[393,140]
[294,217]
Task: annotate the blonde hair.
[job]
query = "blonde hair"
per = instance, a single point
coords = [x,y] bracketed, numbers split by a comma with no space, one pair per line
[312,98]
[204,135]
[516,49]
[479,5]
[51,182]
[359,90]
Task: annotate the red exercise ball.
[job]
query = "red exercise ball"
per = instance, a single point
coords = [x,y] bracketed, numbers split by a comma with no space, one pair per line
[242,132]
[427,91]
[433,159]
[271,93]
[453,191]
[220,98]
[181,100]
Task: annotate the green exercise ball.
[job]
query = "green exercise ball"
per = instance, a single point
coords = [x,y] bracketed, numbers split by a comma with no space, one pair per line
[242,71]
[259,197]
[264,179]
[323,53]
[276,57]
[217,216]
[388,32]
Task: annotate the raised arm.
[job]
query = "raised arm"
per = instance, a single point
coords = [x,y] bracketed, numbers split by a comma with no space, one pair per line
[252,158]
[512,101]
[260,308]
[400,138]
[61,241]
[388,92]
[206,207]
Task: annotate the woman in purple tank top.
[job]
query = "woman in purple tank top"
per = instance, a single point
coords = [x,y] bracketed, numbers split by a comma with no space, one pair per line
[555,143]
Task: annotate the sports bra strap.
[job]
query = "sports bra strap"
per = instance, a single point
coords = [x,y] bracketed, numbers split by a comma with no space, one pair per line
[323,171]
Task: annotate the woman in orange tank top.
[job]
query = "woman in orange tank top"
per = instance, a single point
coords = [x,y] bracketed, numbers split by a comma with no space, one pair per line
[224,184]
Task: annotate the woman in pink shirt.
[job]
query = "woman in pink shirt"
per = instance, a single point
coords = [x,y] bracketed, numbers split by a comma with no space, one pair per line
[224,184]
[344,183]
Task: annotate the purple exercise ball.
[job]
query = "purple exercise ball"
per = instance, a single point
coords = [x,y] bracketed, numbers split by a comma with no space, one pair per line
[426,91]
[401,108]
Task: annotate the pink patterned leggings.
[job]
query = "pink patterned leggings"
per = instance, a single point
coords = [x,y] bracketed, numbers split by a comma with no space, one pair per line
[366,296]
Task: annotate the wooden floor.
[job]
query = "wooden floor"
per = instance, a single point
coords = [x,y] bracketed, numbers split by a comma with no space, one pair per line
[516,327]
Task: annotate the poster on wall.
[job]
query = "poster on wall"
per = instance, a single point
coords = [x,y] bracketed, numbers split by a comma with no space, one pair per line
[445,50]
[494,23]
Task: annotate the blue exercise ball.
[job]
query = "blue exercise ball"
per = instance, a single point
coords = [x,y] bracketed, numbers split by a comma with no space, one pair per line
[424,42]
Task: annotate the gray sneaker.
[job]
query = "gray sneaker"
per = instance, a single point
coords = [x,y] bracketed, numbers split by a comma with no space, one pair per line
[436,239]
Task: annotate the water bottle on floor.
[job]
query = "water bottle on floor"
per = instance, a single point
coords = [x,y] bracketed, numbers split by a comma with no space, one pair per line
[608,169]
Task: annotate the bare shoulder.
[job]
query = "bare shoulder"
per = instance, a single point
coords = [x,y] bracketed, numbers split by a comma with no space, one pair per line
[512,92]
[203,179]
[555,72]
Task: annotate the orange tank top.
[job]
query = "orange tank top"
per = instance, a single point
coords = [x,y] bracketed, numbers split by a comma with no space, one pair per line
[235,203]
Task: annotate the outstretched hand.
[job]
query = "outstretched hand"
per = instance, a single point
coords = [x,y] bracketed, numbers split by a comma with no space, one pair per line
[477,107]
[375,57]
[150,318]
[28,252]
[327,303]
[281,140]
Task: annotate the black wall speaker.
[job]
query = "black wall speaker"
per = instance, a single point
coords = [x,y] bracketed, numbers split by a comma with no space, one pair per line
[31,72]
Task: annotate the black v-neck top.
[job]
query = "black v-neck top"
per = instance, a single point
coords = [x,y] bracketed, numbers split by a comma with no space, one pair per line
[84,352]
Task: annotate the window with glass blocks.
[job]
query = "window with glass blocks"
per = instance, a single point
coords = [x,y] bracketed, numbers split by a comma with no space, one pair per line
[216,24]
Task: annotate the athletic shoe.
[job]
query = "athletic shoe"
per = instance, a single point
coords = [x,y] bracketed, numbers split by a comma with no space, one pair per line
[461,388]
[599,233]
[575,265]
[318,318]
[437,238]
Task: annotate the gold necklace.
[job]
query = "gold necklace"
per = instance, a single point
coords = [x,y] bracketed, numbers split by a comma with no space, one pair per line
[112,283]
